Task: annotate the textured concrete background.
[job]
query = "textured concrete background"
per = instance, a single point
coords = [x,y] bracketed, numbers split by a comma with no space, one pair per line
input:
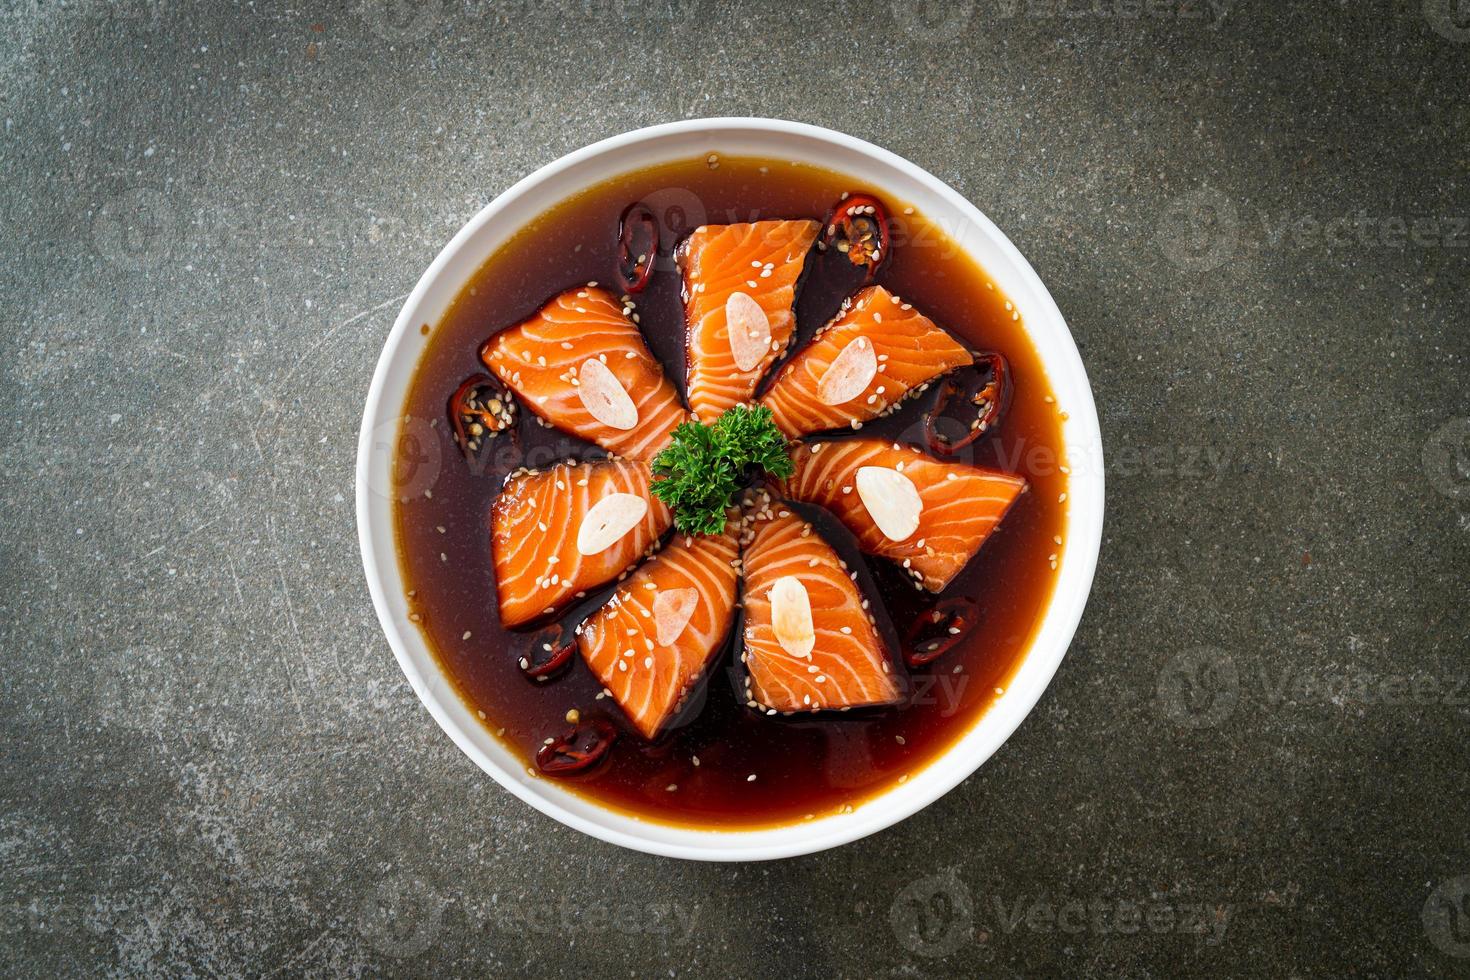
[1254,215]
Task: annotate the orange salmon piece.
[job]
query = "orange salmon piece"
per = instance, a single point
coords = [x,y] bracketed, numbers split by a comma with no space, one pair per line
[663,627]
[558,532]
[879,489]
[875,353]
[739,287]
[582,365]
[810,642]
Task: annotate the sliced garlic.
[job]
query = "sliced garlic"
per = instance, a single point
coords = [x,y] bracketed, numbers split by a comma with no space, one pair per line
[608,520]
[750,330]
[671,612]
[849,374]
[892,501]
[604,396]
[791,616]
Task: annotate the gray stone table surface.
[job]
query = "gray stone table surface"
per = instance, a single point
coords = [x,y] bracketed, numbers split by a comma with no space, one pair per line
[1253,761]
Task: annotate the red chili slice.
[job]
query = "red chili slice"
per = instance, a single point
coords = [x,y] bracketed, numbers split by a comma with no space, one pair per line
[934,633]
[637,247]
[987,388]
[858,228]
[582,747]
[480,408]
[548,656]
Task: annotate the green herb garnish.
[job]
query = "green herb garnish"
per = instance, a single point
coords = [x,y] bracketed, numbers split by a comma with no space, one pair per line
[705,466]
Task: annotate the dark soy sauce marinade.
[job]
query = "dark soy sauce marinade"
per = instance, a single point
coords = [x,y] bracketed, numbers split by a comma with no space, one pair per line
[811,765]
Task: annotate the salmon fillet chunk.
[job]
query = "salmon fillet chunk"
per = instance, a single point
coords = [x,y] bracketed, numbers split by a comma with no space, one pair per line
[663,627]
[582,365]
[904,505]
[809,642]
[558,532]
[875,353]
[739,288]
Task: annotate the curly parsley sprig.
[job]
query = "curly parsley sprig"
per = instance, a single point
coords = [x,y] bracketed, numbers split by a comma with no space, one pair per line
[705,466]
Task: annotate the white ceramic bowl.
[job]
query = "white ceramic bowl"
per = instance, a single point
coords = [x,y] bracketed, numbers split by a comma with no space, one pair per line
[878,170]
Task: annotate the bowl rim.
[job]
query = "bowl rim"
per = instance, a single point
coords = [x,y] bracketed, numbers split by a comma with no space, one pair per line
[1060,616]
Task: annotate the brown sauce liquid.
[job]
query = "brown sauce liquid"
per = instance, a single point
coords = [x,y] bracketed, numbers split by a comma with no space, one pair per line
[813,764]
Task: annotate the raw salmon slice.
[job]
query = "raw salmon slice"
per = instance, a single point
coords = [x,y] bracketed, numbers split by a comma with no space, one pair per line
[903,504]
[810,642]
[659,632]
[581,365]
[558,532]
[872,355]
[739,287]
